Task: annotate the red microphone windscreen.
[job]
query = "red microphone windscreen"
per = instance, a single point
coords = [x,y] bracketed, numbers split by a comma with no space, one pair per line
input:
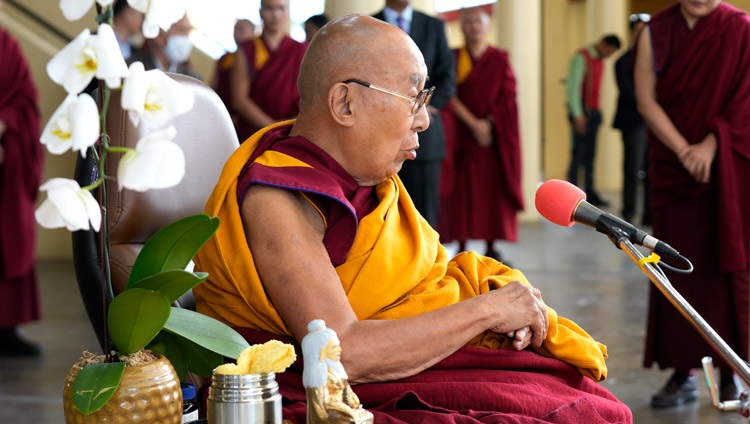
[556,200]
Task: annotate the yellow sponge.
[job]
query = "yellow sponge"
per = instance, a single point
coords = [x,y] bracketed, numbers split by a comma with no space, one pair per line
[229,369]
[272,356]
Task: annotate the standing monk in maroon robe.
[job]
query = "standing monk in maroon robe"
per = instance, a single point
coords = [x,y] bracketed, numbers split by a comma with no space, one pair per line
[264,73]
[21,163]
[692,85]
[487,191]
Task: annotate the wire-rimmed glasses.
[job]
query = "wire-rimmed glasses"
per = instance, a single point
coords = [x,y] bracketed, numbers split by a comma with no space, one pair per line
[422,99]
[640,17]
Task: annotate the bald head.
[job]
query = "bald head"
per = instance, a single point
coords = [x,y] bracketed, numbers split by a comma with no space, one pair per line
[475,25]
[353,46]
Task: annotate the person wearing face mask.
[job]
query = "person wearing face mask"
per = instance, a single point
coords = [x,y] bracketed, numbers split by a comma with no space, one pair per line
[169,51]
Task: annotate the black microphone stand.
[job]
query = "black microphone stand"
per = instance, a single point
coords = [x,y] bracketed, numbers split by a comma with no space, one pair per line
[621,240]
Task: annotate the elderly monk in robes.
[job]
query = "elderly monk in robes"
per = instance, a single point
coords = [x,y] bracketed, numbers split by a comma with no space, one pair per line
[691,78]
[264,73]
[487,190]
[315,224]
[21,167]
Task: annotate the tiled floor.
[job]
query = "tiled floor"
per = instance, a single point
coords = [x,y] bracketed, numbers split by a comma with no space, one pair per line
[581,274]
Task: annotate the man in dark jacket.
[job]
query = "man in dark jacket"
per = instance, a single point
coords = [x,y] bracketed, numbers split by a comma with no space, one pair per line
[422,176]
[630,123]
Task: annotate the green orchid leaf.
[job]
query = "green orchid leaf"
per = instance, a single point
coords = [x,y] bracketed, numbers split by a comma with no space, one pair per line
[135,317]
[173,247]
[172,283]
[206,332]
[168,345]
[185,355]
[95,385]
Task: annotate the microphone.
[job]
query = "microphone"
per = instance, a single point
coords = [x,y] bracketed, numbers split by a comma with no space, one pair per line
[565,204]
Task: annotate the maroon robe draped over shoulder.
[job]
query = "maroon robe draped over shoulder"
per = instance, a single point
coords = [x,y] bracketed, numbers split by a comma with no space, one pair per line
[333,191]
[486,194]
[20,176]
[274,81]
[703,84]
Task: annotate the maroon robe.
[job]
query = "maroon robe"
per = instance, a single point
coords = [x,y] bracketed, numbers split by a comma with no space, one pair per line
[222,85]
[473,385]
[703,85]
[486,195]
[20,176]
[333,191]
[273,83]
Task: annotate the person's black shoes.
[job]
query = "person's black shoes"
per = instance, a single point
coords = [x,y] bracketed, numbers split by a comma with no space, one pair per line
[14,345]
[680,389]
[594,198]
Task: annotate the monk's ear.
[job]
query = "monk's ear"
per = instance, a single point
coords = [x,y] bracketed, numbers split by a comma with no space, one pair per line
[340,98]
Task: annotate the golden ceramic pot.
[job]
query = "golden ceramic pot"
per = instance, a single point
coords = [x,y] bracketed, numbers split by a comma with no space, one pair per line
[148,393]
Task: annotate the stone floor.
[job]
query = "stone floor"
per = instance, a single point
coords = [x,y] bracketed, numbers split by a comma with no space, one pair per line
[581,274]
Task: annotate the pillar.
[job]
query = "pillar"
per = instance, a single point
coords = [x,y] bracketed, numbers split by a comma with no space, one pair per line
[605,17]
[518,29]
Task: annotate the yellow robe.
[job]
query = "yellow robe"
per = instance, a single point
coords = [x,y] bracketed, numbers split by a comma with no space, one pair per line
[396,268]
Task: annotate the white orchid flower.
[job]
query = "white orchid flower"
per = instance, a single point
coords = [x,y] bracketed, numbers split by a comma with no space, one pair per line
[68,205]
[112,67]
[74,10]
[156,162]
[159,14]
[153,96]
[86,57]
[73,126]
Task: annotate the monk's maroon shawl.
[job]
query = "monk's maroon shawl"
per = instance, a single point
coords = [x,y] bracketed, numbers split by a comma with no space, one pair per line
[335,193]
[274,83]
[704,86]
[21,171]
[473,385]
[20,175]
[487,191]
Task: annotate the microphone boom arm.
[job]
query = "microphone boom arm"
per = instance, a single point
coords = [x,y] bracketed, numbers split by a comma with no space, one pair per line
[665,287]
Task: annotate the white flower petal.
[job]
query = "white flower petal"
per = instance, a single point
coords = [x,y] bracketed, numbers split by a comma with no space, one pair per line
[84,123]
[165,99]
[73,126]
[160,14]
[75,65]
[167,163]
[57,134]
[93,211]
[74,10]
[105,3]
[134,92]
[127,173]
[157,162]
[47,216]
[111,65]
[68,205]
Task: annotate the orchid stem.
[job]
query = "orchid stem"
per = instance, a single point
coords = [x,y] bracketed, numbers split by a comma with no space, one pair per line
[107,292]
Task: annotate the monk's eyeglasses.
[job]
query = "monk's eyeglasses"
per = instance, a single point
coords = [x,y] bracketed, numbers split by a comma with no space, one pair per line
[640,17]
[422,99]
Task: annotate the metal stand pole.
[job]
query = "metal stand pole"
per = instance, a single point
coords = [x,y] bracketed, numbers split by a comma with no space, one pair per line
[665,287]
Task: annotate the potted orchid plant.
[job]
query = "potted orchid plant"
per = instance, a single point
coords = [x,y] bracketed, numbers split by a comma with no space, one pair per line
[141,316]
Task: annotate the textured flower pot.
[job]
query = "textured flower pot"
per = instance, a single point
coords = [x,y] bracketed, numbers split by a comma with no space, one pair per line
[148,393]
